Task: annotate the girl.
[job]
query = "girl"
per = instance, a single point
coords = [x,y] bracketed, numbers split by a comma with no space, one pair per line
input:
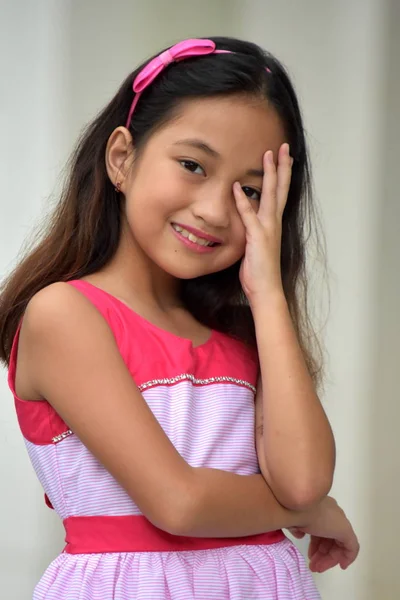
[157,355]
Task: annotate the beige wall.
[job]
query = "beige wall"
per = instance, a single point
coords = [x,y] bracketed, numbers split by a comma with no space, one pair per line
[384,441]
[344,59]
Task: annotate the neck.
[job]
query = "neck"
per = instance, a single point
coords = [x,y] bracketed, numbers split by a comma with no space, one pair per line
[131,274]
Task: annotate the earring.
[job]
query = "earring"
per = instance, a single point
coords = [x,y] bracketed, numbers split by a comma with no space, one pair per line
[118,187]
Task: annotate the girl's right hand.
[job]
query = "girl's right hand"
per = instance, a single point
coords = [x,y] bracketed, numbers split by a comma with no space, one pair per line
[333,541]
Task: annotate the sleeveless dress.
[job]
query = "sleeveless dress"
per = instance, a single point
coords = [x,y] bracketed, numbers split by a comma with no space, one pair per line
[203,397]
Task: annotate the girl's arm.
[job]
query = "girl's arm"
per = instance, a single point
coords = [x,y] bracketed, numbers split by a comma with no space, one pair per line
[297,453]
[296,447]
[75,364]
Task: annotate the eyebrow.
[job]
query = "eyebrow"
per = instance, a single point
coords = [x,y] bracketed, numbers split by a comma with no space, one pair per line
[201,145]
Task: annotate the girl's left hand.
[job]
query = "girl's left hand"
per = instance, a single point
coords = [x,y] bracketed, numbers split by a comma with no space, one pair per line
[332,537]
[260,271]
[326,553]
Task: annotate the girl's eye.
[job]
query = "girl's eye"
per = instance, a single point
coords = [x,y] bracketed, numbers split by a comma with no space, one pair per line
[251,193]
[192,166]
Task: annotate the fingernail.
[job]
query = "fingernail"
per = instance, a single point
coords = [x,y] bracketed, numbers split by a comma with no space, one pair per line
[270,156]
[236,186]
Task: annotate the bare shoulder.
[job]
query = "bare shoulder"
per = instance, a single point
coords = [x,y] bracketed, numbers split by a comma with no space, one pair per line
[61,324]
[75,364]
[51,313]
[57,304]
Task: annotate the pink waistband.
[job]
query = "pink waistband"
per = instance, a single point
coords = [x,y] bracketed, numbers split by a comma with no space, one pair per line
[87,535]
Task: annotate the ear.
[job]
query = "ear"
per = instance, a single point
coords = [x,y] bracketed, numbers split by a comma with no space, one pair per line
[119,156]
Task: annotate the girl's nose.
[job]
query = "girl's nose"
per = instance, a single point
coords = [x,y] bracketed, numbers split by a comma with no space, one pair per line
[214,206]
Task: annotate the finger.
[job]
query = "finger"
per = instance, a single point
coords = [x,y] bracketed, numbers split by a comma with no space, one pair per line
[244,207]
[326,546]
[297,533]
[346,561]
[322,562]
[284,177]
[267,210]
[349,557]
[325,561]
[313,547]
[351,549]
[323,549]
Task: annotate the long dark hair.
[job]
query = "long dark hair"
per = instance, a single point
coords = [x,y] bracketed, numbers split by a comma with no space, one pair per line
[83,232]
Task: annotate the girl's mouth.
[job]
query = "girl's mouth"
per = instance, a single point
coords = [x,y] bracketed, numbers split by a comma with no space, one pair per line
[195,242]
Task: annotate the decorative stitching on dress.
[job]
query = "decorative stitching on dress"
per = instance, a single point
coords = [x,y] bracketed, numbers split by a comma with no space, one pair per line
[61,436]
[171,381]
[195,381]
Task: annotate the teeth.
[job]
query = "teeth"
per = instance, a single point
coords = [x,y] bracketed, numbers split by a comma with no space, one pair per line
[191,237]
[202,242]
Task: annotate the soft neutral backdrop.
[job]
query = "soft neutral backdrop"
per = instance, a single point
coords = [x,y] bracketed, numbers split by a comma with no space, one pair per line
[61,61]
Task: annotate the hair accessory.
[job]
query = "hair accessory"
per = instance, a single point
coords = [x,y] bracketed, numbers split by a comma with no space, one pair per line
[181,50]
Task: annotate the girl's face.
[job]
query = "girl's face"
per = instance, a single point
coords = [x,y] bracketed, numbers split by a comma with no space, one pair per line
[180,207]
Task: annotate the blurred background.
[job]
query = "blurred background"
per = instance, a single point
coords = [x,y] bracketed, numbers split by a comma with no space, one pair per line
[62,60]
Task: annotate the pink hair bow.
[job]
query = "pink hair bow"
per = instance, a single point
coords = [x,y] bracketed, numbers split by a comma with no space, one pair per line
[184,49]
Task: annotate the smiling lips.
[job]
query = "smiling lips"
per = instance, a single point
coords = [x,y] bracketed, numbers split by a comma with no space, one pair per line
[195,239]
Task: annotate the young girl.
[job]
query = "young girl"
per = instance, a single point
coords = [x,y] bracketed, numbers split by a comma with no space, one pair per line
[156,346]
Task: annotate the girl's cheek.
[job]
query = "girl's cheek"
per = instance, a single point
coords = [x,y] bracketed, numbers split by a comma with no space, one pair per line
[239,237]
[239,229]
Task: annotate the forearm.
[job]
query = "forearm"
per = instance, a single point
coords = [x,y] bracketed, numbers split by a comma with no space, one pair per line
[224,504]
[297,438]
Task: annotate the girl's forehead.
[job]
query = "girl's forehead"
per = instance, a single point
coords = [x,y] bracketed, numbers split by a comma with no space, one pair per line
[226,124]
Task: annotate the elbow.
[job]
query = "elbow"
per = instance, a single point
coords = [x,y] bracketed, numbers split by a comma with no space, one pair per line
[305,495]
[300,492]
[176,513]
[177,519]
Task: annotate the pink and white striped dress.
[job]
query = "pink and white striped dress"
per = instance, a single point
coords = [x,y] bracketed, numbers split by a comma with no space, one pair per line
[203,398]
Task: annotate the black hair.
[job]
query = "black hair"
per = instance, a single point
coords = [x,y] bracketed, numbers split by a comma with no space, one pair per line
[84,230]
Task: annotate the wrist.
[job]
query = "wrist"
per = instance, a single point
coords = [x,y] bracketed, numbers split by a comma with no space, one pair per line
[268,300]
[313,514]
[304,518]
